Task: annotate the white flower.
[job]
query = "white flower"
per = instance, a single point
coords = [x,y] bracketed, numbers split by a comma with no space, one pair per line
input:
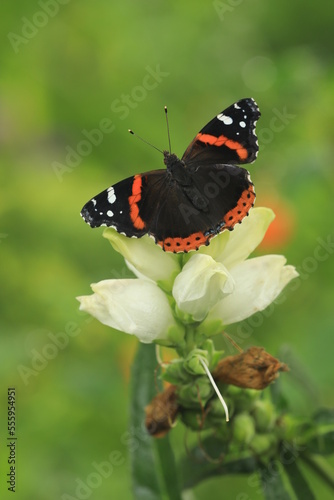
[258,282]
[145,258]
[134,306]
[230,288]
[216,286]
[200,285]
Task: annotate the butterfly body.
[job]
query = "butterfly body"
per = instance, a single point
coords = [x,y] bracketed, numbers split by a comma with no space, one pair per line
[196,197]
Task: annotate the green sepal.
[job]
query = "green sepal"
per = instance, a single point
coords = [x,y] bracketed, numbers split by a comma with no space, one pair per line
[213,355]
[176,374]
[196,393]
[184,317]
[195,420]
[175,334]
[212,327]
[192,363]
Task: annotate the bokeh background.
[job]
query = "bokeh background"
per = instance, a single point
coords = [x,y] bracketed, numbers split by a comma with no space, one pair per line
[74,66]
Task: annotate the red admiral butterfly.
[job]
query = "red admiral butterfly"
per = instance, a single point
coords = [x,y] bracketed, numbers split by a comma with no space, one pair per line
[195,198]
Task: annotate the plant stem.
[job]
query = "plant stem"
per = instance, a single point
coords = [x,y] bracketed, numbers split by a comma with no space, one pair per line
[190,340]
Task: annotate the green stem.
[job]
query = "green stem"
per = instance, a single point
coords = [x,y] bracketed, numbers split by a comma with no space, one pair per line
[320,466]
[190,340]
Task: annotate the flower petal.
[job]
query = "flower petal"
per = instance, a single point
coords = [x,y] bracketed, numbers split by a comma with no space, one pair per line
[258,282]
[200,285]
[246,236]
[133,306]
[217,245]
[145,258]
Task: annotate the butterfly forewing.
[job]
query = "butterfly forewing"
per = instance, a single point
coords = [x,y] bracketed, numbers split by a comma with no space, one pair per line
[228,138]
[118,206]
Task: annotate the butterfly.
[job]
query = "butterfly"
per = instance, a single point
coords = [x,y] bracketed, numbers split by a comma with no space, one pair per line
[194,198]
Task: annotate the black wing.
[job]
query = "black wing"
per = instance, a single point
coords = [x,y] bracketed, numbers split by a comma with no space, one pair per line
[228,138]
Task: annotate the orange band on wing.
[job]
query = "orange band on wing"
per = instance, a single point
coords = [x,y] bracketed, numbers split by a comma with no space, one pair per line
[178,244]
[223,141]
[133,203]
[195,240]
[245,203]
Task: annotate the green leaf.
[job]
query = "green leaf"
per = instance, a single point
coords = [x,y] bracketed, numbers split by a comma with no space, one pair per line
[144,468]
[277,396]
[298,481]
[321,467]
[168,468]
[209,460]
[320,439]
[152,459]
[324,416]
[273,484]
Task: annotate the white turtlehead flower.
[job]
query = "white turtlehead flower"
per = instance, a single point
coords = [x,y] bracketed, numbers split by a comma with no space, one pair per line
[258,282]
[228,287]
[200,285]
[146,259]
[133,306]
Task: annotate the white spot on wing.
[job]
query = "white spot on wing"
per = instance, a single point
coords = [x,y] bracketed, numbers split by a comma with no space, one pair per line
[236,106]
[111,195]
[110,213]
[227,120]
[242,124]
[94,201]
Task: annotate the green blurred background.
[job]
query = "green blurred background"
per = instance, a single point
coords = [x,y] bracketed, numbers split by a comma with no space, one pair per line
[65,67]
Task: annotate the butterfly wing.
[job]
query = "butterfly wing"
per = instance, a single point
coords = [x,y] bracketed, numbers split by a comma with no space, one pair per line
[216,198]
[119,205]
[228,138]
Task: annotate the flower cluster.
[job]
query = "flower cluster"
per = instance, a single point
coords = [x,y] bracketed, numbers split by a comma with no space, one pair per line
[180,300]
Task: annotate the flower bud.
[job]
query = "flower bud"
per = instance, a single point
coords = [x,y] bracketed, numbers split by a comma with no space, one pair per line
[193,364]
[194,419]
[175,372]
[264,415]
[244,399]
[264,446]
[196,393]
[243,428]
[216,413]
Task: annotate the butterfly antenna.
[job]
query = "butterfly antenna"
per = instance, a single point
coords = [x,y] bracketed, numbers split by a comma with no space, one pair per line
[170,146]
[146,142]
